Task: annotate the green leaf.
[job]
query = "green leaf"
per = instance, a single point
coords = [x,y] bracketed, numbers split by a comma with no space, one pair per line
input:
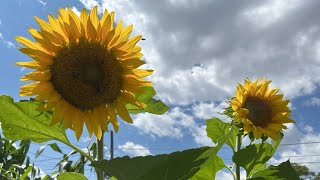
[40,150]
[153,106]
[21,121]
[25,174]
[216,129]
[177,165]
[55,147]
[209,168]
[282,172]
[254,157]
[71,176]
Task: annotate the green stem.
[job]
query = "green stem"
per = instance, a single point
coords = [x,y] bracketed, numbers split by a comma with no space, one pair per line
[81,152]
[100,157]
[239,139]
[232,173]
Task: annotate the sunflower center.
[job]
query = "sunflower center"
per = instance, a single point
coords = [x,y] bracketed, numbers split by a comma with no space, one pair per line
[259,111]
[86,75]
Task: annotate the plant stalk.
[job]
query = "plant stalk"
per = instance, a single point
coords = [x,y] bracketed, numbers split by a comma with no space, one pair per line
[100,157]
[239,139]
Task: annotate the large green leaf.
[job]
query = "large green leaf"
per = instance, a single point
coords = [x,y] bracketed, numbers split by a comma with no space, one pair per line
[282,172]
[153,106]
[209,169]
[71,176]
[21,121]
[216,129]
[178,165]
[253,158]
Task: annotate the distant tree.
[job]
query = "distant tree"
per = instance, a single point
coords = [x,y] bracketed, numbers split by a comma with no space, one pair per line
[304,172]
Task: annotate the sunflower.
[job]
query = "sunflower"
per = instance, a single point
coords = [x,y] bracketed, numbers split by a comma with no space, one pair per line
[85,69]
[261,110]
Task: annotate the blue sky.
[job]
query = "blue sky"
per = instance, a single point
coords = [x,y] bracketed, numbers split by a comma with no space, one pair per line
[199,50]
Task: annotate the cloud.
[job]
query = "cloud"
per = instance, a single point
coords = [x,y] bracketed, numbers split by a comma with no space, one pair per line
[0,22]
[42,2]
[168,125]
[8,44]
[200,136]
[133,149]
[86,139]
[209,110]
[314,101]
[231,41]
[175,123]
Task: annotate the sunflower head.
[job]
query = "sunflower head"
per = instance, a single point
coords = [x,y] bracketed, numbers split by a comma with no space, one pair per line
[85,69]
[260,109]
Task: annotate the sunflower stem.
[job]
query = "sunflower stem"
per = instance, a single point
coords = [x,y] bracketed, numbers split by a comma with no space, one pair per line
[239,139]
[100,155]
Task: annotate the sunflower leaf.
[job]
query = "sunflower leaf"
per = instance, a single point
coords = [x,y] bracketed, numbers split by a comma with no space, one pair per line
[218,130]
[282,171]
[253,158]
[153,106]
[21,121]
[194,164]
[71,176]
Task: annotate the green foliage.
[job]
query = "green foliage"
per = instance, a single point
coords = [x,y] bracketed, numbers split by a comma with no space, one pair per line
[282,172]
[71,176]
[209,169]
[221,132]
[21,121]
[12,160]
[153,106]
[253,158]
[178,165]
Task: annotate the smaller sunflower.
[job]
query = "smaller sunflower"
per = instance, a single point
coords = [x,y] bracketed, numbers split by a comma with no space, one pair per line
[261,110]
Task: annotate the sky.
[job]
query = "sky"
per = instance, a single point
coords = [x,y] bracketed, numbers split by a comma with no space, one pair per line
[200,50]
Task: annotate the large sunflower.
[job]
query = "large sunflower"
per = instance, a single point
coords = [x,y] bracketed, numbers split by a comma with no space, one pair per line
[85,68]
[261,110]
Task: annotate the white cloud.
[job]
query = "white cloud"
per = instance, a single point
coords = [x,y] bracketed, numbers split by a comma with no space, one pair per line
[133,149]
[314,101]
[271,11]
[200,136]
[0,22]
[89,4]
[86,139]
[209,110]
[168,125]
[8,44]
[42,2]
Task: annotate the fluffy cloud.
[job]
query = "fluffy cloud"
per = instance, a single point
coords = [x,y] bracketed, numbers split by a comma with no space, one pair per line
[209,110]
[8,44]
[168,125]
[230,41]
[175,124]
[314,101]
[133,149]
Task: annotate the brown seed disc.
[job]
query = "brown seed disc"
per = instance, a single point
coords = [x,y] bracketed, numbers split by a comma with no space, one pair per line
[259,111]
[86,75]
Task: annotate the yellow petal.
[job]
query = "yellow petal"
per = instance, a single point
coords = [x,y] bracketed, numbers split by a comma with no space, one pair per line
[131,43]
[122,111]
[37,76]
[112,117]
